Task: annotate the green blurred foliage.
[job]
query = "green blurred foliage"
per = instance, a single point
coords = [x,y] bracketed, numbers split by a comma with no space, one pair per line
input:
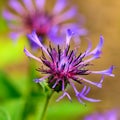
[18,106]
[7,89]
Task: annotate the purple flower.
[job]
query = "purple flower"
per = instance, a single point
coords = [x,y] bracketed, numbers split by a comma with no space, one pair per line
[108,115]
[63,66]
[31,15]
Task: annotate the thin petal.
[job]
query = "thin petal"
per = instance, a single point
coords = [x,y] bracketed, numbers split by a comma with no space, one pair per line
[95,56]
[82,31]
[31,55]
[73,86]
[40,4]
[37,80]
[99,46]
[33,36]
[15,35]
[69,36]
[29,5]
[55,83]
[9,16]
[66,16]
[63,85]
[105,72]
[92,83]
[16,6]
[89,47]
[87,91]
[83,93]
[64,94]
[89,99]
[83,90]
[54,37]
[59,6]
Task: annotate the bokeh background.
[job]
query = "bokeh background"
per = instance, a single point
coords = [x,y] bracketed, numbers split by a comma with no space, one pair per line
[22,99]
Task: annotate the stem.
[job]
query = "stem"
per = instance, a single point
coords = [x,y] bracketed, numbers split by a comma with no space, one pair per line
[46,104]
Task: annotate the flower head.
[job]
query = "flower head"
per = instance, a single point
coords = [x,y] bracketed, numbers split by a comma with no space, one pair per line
[65,66]
[28,15]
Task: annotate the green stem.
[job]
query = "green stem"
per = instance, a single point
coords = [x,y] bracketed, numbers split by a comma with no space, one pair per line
[46,105]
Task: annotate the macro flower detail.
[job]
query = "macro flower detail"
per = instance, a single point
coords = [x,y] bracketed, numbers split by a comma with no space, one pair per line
[63,66]
[27,15]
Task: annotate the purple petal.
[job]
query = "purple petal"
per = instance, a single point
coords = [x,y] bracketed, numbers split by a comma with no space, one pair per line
[101,81]
[68,36]
[105,72]
[15,35]
[89,99]
[64,94]
[83,93]
[9,16]
[40,4]
[29,5]
[78,32]
[55,83]
[82,31]
[91,82]
[87,91]
[73,86]
[70,33]
[99,46]
[59,6]
[67,15]
[37,80]
[16,6]
[95,56]
[79,99]
[54,37]
[57,40]
[83,90]
[33,36]
[33,45]
[63,85]
[31,55]
[89,47]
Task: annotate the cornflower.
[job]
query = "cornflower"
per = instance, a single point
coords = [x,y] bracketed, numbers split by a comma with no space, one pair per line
[27,15]
[64,67]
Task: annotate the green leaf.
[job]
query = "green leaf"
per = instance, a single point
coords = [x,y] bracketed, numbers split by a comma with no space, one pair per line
[7,90]
[4,114]
[15,108]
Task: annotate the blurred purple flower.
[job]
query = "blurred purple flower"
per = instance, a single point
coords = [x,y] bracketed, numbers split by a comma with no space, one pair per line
[108,115]
[27,15]
[64,66]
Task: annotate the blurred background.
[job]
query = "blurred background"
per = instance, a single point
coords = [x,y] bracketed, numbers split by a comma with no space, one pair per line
[22,99]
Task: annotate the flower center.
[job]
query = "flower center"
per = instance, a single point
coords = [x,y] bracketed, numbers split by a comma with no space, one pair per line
[56,83]
[41,22]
